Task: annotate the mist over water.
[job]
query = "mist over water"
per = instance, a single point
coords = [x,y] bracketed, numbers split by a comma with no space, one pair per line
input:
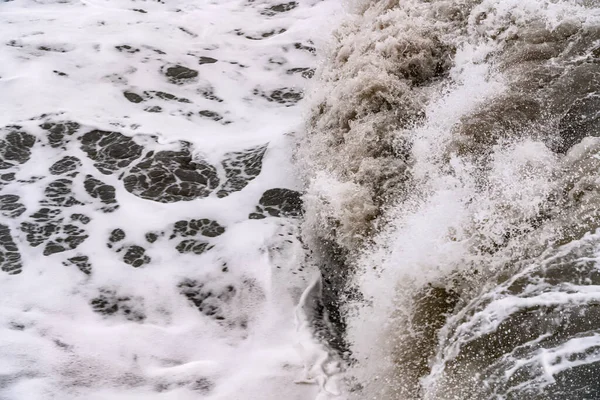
[452,158]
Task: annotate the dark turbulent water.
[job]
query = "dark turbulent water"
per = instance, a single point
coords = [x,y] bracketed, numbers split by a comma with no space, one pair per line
[454,154]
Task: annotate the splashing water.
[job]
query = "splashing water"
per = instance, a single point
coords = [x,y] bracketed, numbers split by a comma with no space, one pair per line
[452,158]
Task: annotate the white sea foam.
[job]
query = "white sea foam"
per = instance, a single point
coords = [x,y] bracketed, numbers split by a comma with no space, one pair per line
[219,325]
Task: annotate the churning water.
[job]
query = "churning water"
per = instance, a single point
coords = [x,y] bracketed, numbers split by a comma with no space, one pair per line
[185,213]
[454,155]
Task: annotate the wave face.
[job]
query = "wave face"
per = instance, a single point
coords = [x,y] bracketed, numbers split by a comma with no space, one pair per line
[451,162]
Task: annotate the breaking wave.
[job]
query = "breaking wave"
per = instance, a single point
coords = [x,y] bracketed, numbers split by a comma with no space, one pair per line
[451,167]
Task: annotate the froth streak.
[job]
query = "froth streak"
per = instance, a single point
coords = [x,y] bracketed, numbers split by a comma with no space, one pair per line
[312,322]
[536,336]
